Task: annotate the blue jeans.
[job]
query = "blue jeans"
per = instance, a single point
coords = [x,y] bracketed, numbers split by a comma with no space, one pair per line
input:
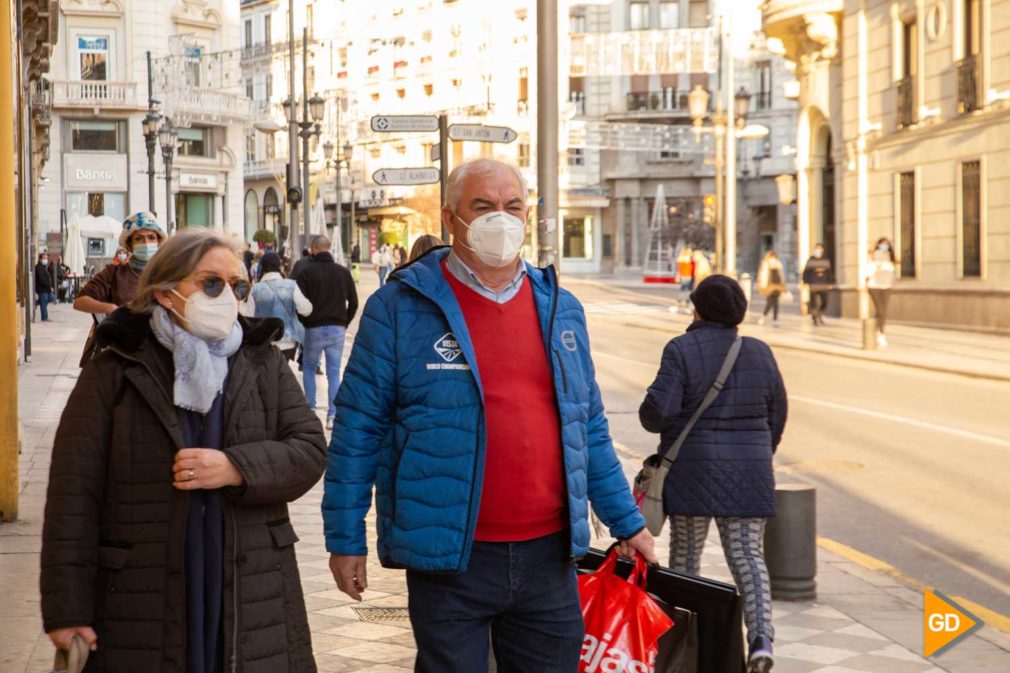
[383,272]
[524,594]
[43,302]
[328,339]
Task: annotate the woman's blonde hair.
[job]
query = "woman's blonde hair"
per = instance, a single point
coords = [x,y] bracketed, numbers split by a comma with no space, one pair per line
[423,245]
[175,261]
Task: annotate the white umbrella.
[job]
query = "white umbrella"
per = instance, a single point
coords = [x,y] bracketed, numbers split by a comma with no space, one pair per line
[101,226]
[73,255]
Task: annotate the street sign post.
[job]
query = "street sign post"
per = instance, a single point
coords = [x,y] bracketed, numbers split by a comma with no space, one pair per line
[406,176]
[479,132]
[404,123]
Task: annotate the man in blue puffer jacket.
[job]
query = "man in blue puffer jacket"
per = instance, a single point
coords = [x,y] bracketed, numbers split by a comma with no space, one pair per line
[470,403]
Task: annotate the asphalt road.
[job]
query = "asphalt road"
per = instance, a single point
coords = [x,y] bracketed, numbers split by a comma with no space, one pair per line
[912,467]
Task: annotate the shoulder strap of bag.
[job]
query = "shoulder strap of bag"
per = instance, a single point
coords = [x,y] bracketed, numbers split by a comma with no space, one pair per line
[713,392]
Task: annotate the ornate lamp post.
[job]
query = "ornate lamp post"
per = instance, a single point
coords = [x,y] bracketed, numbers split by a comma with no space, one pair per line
[150,126]
[337,161]
[167,135]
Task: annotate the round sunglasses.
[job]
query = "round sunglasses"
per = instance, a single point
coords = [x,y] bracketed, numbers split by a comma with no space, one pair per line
[213,286]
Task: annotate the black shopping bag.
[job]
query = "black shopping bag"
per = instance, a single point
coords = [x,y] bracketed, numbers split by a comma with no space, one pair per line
[714,619]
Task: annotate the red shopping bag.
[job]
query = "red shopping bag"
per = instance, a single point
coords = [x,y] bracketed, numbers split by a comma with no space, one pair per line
[622,622]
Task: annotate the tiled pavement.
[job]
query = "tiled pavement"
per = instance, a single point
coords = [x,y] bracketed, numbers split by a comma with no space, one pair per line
[863,622]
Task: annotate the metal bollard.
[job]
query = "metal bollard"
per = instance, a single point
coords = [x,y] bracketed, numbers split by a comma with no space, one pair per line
[791,544]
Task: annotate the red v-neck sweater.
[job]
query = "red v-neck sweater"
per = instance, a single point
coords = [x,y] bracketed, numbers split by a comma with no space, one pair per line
[524,495]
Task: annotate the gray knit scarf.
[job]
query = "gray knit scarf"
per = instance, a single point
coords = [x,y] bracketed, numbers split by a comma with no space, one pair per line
[200,366]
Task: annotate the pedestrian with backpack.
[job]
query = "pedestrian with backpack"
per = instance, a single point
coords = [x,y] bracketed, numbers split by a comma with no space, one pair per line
[274,296]
[719,406]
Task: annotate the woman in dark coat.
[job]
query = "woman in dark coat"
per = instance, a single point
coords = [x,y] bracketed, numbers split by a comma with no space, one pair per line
[167,544]
[724,469]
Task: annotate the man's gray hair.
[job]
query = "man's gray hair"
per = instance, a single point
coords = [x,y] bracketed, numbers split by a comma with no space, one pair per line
[320,242]
[484,167]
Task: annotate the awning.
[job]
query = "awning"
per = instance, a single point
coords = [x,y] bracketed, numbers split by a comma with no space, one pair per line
[392,211]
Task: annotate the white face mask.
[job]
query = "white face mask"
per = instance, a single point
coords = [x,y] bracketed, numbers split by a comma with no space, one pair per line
[496,238]
[207,318]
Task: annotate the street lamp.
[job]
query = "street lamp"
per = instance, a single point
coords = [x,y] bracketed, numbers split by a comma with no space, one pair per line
[312,112]
[741,106]
[150,126]
[167,136]
[336,162]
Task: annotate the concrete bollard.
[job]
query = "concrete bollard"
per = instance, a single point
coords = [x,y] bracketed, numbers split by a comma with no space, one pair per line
[791,544]
[747,285]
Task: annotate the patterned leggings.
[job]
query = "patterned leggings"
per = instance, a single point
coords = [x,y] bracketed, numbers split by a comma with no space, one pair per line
[743,544]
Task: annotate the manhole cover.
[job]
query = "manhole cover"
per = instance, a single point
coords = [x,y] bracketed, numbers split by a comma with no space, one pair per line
[820,467]
[395,616]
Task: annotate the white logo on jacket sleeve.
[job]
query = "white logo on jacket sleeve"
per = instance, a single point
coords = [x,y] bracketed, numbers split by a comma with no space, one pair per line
[448,348]
[569,341]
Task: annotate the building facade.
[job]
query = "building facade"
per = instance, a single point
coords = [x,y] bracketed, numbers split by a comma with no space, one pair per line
[643,138]
[904,133]
[100,97]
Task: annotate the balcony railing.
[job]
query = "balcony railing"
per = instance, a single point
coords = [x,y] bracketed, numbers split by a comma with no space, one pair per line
[90,94]
[663,100]
[968,78]
[261,50]
[264,168]
[207,105]
[906,103]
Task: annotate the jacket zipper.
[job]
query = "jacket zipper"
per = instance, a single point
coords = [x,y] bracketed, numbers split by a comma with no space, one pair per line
[234,589]
[551,354]
[473,489]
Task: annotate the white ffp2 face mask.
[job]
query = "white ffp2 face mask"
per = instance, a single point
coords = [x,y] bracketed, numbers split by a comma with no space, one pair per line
[496,238]
[211,319]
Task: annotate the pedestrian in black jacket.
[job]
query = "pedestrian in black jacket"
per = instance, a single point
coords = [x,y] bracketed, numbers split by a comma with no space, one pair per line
[330,288]
[819,276]
[724,468]
[43,286]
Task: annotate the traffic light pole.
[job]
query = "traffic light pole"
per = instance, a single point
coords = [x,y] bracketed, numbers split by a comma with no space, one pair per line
[292,181]
[547,134]
[443,166]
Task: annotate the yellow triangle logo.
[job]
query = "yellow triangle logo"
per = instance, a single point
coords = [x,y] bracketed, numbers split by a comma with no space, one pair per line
[944,622]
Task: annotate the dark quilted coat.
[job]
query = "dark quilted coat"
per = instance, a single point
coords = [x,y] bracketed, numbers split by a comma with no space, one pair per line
[725,465]
[113,540]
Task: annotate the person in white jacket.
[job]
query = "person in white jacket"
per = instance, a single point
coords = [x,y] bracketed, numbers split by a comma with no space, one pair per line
[274,296]
[880,279]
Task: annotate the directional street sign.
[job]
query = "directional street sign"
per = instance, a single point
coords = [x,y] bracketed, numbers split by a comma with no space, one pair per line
[404,123]
[436,154]
[486,134]
[405,176]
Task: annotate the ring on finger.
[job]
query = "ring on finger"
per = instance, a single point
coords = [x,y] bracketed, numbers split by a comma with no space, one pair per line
[191,474]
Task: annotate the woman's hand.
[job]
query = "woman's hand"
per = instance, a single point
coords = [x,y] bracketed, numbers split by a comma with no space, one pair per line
[61,637]
[204,469]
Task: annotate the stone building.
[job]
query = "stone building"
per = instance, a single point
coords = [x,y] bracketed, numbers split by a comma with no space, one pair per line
[904,133]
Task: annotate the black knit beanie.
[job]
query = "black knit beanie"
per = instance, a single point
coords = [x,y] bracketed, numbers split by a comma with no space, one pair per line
[720,299]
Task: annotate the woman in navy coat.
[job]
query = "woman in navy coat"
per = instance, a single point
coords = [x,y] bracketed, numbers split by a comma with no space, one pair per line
[724,469]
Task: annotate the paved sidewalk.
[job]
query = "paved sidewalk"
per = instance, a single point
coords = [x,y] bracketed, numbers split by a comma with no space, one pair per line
[863,622]
[974,354]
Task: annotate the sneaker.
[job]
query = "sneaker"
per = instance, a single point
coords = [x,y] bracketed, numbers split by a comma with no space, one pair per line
[775,324]
[761,659]
[761,320]
[329,422]
[882,341]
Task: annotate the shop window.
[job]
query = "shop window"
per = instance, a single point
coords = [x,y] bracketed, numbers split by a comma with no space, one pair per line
[96,247]
[89,136]
[93,58]
[194,142]
[578,238]
[195,210]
